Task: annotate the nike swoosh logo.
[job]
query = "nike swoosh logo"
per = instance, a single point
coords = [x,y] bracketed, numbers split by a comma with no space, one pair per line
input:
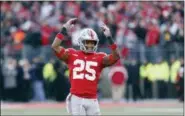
[74,54]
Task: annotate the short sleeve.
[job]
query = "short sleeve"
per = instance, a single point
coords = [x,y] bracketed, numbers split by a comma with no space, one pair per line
[101,56]
[69,51]
[66,52]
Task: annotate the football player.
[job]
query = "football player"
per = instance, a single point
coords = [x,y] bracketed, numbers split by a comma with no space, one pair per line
[85,66]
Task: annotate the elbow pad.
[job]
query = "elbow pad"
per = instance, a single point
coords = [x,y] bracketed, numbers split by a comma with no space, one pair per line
[61,53]
[112,59]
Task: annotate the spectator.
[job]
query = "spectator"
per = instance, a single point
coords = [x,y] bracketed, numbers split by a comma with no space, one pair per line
[46,10]
[61,83]
[26,89]
[118,76]
[162,77]
[32,44]
[20,81]
[141,31]
[49,74]
[12,74]
[47,34]
[18,37]
[37,80]
[152,41]
[132,86]
[174,67]
[180,81]
[1,81]
[147,86]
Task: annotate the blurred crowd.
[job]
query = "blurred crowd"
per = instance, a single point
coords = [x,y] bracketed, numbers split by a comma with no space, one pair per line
[144,29]
[38,81]
[134,81]
[151,33]
[24,81]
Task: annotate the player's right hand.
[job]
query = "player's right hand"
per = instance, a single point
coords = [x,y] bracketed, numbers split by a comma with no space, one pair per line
[70,23]
[105,30]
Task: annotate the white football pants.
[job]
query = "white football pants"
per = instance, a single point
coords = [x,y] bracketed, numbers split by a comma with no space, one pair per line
[82,106]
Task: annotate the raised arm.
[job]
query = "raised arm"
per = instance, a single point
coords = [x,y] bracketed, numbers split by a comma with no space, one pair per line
[59,50]
[114,56]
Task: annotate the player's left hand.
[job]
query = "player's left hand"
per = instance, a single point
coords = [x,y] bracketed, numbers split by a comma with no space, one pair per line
[106,30]
[70,23]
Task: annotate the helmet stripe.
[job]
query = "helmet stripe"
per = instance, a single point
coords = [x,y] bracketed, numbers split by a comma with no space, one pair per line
[91,34]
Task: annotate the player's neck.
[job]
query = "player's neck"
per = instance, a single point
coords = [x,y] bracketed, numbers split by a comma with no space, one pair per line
[87,53]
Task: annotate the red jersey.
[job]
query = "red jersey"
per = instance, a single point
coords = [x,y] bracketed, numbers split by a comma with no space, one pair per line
[84,72]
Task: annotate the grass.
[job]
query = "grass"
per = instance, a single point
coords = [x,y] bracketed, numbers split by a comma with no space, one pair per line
[144,109]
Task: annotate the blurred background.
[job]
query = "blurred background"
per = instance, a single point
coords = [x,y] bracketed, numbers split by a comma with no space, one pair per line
[150,36]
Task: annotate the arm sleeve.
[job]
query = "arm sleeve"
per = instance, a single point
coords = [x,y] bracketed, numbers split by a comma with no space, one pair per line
[61,53]
[66,52]
[102,55]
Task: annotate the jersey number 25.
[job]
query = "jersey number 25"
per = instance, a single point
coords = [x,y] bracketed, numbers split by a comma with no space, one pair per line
[84,65]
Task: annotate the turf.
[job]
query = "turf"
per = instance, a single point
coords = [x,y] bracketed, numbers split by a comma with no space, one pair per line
[150,108]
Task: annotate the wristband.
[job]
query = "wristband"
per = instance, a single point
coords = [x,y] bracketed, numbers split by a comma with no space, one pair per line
[60,36]
[113,46]
[110,40]
[64,31]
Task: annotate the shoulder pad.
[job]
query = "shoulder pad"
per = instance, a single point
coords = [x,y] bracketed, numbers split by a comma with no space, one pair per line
[102,53]
[70,50]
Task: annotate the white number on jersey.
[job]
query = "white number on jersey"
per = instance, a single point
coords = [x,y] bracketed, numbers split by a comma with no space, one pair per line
[84,65]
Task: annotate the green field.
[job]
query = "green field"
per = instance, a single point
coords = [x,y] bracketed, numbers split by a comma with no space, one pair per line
[149,108]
